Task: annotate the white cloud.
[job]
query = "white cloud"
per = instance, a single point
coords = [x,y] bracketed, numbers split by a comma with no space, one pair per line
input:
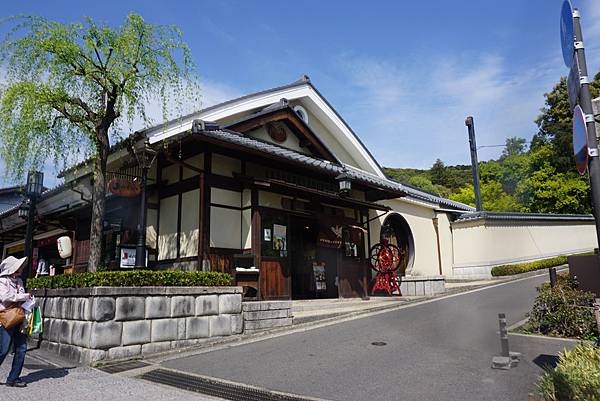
[409,115]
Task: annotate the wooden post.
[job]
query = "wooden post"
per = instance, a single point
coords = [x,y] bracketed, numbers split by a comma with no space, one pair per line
[437,238]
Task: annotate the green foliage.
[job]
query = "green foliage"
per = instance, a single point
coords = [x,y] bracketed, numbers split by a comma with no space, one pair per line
[576,376]
[514,146]
[492,195]
[135,278]
[437,173]
[546,190]
[563,311]
[507,270]
[67,84]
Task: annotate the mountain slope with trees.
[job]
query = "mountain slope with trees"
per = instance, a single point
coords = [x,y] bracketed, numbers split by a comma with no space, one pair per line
[539,177]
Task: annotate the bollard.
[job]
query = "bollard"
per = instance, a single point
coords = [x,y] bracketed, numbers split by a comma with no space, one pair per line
[503,335]
[552,271]
[506,359]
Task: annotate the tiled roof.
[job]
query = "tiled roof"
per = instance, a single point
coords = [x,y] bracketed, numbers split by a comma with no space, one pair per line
[235,138]
[513,216]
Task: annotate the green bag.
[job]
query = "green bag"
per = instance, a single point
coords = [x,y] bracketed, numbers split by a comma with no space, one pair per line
[37,325]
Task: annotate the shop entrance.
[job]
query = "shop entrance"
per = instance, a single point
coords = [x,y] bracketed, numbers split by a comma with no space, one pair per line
[314,271]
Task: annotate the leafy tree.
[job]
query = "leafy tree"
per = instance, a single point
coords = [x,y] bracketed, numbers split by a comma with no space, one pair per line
[438,173]
[69,86]
[493,197]
[545,190]
[514,146]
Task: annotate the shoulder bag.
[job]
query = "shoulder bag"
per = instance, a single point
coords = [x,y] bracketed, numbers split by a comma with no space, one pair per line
[10,317]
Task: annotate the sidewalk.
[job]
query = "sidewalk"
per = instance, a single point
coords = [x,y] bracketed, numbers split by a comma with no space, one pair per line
[47,381]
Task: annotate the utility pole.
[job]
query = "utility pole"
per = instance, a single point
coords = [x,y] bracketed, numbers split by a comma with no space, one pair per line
[474,163]
[585,101]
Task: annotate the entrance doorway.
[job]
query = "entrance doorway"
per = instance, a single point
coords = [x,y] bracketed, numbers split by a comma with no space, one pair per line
[397,232]
[306,275]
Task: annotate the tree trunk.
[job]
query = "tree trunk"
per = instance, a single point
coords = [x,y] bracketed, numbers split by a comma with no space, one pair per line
[98,200]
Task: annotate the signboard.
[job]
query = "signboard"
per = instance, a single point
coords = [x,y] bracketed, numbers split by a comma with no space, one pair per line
[580,140]
[124,187]
[573,84]
[567,35]
[127,260]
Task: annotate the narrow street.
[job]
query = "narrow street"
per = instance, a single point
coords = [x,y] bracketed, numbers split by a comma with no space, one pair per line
[439,350]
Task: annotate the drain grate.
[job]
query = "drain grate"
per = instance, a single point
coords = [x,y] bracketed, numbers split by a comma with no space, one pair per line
[216,388]
[379,343]
[123,367]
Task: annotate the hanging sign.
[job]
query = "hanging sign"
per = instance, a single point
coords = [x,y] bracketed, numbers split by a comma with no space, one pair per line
[124,187]
[567,35]
[580,140]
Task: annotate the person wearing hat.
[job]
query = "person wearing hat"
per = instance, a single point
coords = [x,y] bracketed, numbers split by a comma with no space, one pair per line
[12,294]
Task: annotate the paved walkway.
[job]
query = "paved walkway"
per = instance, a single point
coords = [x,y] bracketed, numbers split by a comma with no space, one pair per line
[49,382]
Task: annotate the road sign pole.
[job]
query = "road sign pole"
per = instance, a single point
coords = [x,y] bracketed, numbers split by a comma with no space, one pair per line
[585,100]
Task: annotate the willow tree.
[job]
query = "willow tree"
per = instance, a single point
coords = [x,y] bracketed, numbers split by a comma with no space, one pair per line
[68,89]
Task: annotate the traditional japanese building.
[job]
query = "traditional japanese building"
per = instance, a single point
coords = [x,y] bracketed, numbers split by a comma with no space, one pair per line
[276,188]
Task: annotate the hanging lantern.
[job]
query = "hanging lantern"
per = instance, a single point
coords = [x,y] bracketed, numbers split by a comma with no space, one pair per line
[345,185]
[35,183]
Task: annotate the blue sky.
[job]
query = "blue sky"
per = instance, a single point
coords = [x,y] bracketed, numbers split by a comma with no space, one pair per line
[403,74]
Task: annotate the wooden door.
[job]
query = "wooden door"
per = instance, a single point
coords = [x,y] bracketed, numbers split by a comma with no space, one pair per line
[275,278]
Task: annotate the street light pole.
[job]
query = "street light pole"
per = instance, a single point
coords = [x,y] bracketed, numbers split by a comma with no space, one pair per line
[145,157]
[474,163]
[33,189]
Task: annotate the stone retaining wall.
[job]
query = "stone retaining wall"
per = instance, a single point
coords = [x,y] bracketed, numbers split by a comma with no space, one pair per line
[264,315]
[422,285]
[92,324]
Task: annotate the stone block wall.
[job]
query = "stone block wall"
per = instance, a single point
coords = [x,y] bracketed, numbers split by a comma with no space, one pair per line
[265,315]
[93,324]
[422,285]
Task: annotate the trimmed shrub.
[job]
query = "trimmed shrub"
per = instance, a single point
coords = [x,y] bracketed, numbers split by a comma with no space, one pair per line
[575,378]
[563,311]
[507,270]
[135,278]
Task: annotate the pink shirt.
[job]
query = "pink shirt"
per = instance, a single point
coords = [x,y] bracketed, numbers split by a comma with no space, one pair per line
[11,292]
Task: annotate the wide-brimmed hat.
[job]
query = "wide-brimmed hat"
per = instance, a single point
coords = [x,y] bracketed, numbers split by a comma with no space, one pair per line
[11,265]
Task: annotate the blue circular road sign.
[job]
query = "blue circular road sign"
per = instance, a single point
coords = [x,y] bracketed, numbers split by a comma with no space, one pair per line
[567,36]
[580,140]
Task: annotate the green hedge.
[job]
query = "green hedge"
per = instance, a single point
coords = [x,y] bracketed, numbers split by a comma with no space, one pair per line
[134,278]
[507,270]
[575,378]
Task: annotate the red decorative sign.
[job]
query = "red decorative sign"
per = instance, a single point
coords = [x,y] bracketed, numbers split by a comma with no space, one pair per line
[277,133]
[124,187]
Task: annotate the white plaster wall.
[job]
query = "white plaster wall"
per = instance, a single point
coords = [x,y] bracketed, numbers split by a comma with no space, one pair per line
[246,229]
[225,197]
[170,174]
[196,161]
[167,235]
[479,245]
[223,165]
[225,228]
[190,215]
[151,224]
[419,218]
[291,141]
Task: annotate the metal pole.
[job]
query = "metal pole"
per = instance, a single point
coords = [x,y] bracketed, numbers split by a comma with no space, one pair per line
[585,100]
[29,237]
[140,249]
[474,164]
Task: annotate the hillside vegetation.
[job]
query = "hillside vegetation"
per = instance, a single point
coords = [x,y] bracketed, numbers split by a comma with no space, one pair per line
[537,177]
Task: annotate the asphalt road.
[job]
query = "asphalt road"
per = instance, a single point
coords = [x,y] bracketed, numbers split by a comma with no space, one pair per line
[440,350]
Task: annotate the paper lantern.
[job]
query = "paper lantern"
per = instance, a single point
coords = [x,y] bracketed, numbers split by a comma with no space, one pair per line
[65,248]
